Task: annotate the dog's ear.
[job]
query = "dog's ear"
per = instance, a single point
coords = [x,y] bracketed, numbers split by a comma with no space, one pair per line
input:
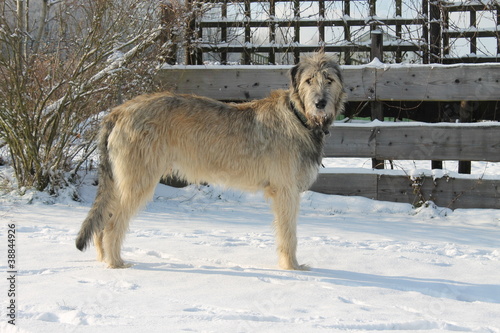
[340,106]
[337,70]
[330,63]
[294,76]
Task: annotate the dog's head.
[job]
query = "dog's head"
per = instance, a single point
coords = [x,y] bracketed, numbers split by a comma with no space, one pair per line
[317,90]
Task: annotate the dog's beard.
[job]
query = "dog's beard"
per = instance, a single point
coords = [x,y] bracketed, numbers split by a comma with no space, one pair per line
[320,121]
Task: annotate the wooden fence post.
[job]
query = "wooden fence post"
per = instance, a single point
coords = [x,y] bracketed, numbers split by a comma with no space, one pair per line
[377,45]
[466,109]
[425,32]
[272,31]
[347,31]
[497,7]
[190,49]
[247,54]
[435,31]
[377,111]
[376,51]
[223,33]
[435,53]
[321,24]
[399,12]
[296,29]
[168,16]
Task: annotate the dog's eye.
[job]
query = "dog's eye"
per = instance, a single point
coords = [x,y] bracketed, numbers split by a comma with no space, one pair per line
[308,81]
[329,81]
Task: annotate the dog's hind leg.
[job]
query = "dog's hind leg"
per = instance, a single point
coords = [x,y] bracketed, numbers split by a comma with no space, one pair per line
[98,245]
[112,240]
[136,188]
[285,206]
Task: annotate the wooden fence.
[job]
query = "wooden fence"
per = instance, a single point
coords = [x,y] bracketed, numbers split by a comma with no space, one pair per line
[464,142]
[380,141]
[473,33]
[219,28]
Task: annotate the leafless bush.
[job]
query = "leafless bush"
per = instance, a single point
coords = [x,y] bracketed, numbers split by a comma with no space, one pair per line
[60,67]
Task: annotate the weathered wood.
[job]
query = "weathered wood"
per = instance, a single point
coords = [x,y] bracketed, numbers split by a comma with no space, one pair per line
[417,142]
[470,82]
[445,192]
[300,48]
[304,22]
[439,82]
[350,141]
[231,83]
[377,52]
[239,83]
[462,193]
[435,32]
[397,189]
[360,84]
[347,184]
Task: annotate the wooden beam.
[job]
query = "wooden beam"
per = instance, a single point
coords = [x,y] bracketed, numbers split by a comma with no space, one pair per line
[435,32]
[364,185]
[416,142]
[351,141]
[472,82]
[304,22]
[225,82]
[439,82]
[445,192]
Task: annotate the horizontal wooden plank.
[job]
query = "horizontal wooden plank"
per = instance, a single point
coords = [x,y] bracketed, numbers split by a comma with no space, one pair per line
[468,33]
[225,82]
[471,58]
[462,6]
[420,142]
[305,22]
[350,141]
[240,83]
[439,143]
[364,185]
[445,192]
[363,83]
[302,48]
[462,193]
[439,83]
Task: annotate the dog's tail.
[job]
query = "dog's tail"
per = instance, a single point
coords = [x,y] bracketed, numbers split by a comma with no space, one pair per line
[101,210]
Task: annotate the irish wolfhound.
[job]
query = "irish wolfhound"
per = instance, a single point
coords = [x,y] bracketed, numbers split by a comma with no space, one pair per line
[274,145]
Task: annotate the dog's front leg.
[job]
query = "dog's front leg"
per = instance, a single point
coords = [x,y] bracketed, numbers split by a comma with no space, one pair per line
[286,208]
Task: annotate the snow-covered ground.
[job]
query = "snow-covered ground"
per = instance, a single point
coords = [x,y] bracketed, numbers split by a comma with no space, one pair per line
[204,261]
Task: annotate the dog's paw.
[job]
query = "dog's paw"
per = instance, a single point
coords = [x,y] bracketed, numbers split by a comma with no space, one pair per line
[294,267]
[120,265]
[303,268]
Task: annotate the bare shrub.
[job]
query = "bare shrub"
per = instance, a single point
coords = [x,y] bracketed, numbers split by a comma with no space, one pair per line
[84,57]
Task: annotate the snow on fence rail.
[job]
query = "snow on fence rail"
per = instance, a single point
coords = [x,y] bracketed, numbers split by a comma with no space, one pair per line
[379,140]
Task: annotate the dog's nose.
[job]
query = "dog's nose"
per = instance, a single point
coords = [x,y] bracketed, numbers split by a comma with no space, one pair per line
[321,104]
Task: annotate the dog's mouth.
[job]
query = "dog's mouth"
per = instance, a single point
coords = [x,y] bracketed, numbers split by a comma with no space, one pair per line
[320,120]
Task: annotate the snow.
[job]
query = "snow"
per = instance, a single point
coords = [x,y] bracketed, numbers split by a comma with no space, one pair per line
[377,123]
[374,64]
[204,261]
